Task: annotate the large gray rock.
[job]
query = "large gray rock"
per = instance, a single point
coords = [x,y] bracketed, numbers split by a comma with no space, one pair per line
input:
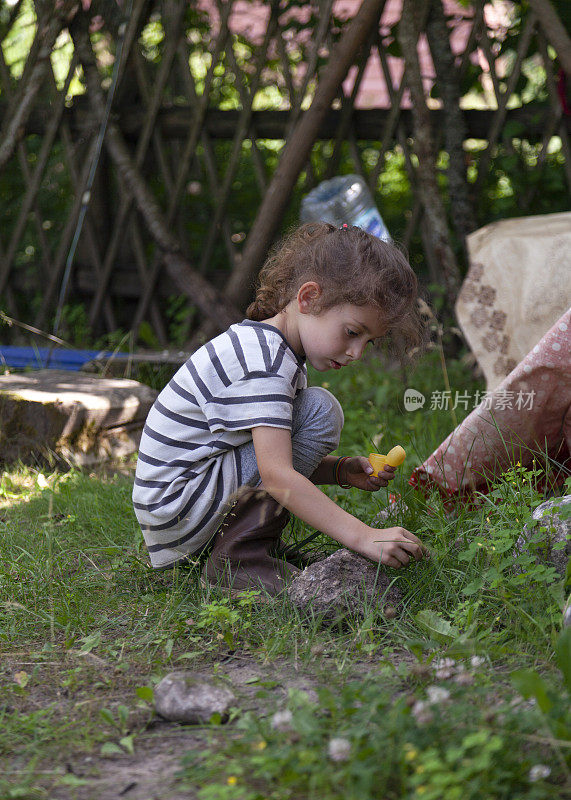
[182,697]
[553,527]
[344,583]
[72,416]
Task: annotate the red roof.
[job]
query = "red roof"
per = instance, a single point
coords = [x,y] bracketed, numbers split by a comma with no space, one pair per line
[250,20]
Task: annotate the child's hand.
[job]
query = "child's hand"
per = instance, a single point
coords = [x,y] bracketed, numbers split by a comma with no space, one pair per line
[394,547]
[358,472]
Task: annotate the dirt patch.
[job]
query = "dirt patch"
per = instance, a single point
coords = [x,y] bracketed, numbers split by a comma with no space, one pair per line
[150,772]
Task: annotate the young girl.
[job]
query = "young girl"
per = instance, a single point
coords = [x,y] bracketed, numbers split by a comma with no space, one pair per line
[236,440]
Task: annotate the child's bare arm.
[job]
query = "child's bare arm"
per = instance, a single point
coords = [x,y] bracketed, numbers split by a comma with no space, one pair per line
[393,546]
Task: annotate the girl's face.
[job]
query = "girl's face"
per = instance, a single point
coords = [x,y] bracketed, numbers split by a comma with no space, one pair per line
[338,336]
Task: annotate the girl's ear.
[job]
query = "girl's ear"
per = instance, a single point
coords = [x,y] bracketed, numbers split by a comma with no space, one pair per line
[307,295]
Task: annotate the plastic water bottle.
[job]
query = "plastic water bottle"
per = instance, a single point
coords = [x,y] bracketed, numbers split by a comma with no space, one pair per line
[345,198]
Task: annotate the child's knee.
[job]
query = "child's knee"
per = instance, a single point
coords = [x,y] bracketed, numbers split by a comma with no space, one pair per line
[323,410]
[332,409]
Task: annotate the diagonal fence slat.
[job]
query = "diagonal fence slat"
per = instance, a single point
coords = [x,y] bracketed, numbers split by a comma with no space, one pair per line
[93,247]
[32,79]
[125,205]
[344,130]
[209,162]
[247,100]
[32,182]
[324,10]
[500,115]
[241,131]
[416,217]
[191,143]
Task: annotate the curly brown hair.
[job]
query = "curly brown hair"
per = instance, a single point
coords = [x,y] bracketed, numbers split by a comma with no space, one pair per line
[351,266]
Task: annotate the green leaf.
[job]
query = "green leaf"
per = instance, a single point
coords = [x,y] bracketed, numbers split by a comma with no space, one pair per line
[436,626]
[110,749]
[145,693]
[529,684]
[107,716]
[127,743]
[473,587]
[190,655]
[90,642]
[123,712]
[417,648]
[72,780]
[563,655]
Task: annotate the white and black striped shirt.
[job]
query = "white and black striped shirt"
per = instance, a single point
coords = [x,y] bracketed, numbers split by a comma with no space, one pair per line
[187,467]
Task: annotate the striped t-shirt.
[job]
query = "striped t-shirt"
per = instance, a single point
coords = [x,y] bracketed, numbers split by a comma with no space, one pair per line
[187,467]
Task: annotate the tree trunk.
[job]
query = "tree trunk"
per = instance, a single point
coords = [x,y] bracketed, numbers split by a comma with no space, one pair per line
[296,152]
[427,183]
[454,126]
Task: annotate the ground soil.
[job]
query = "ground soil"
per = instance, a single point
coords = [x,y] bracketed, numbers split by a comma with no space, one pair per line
[150,773]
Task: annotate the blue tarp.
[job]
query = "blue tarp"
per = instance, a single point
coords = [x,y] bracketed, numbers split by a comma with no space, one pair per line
[40,358]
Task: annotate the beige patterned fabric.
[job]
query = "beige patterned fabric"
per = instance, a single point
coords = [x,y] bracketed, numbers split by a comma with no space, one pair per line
[517,287]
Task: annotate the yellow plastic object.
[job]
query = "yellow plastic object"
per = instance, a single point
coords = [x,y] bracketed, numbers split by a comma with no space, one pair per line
[396,456]
[393,458]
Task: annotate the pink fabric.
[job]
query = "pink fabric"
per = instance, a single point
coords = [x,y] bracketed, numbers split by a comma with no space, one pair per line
[529,411]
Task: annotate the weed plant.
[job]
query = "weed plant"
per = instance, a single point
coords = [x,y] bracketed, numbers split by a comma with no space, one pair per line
[465,693]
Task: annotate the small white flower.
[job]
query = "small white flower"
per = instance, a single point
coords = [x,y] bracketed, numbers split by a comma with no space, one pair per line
[281,721]
[422,713]
[339,749]
[445,668]
[464,679]
[477,661]
[444,662]
[436,694]
[538,772]
[444,674]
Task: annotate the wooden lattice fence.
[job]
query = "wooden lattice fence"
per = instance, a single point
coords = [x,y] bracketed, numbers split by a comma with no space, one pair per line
[212,139]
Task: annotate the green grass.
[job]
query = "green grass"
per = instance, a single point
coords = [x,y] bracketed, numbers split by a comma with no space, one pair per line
[87,629]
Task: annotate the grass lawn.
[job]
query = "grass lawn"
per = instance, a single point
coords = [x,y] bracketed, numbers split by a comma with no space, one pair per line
[464,694]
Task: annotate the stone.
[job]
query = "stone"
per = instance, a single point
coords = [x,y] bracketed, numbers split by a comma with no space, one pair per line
[555,517]
[343,584]
[78,418]
[183,697]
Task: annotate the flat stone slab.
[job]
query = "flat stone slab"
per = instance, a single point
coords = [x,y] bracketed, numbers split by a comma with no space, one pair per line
[82,419]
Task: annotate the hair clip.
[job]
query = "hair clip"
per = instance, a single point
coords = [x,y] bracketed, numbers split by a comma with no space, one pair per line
[344,227]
